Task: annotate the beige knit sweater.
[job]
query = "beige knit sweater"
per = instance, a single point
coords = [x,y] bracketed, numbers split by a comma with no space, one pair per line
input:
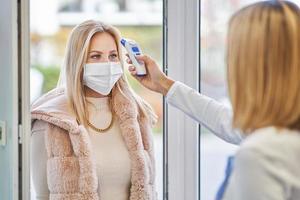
[71,168]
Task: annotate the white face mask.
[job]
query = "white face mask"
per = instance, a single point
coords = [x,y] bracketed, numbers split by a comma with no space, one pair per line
[101,77]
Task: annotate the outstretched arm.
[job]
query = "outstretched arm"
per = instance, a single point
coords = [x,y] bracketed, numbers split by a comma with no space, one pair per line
[206,111]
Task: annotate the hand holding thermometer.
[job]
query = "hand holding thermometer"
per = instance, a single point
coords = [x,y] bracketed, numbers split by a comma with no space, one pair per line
[134,50]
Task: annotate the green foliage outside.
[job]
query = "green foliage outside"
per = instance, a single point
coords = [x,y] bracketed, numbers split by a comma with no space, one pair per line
[50,74]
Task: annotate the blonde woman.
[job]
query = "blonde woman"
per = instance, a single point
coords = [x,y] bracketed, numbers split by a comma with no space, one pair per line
[91,136]
[264,88]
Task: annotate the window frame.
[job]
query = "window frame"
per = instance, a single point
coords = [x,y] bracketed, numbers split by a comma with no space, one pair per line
[182,55]
[24,128]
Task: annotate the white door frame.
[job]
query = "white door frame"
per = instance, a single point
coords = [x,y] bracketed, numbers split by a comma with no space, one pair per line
[183,65]
[15,98]
[25,123]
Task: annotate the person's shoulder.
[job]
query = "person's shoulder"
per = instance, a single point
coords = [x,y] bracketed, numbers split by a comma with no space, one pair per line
[270,137]
[54,96]
[271,144]
[271,152]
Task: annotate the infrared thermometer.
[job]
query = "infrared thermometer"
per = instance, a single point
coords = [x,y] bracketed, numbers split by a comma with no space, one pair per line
[134,50]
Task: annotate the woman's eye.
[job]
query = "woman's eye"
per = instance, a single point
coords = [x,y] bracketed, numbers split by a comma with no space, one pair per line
[113,56]
[95,56]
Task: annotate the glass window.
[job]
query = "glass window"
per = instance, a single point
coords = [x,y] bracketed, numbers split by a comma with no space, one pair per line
[51,23]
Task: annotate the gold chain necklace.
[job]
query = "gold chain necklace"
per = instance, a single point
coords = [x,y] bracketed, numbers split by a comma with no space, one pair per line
[100,130]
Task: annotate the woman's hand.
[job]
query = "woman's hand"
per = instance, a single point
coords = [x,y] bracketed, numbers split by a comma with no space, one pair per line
[155,79]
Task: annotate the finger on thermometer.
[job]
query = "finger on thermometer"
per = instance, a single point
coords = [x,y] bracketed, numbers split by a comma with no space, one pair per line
[131,68]
[133,72]
[128,61]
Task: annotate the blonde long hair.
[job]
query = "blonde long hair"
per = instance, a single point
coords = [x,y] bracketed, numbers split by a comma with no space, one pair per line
[75,58]
[264,65]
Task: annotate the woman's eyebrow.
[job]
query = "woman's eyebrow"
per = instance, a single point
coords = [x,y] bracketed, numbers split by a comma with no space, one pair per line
[113,51]
[95,51]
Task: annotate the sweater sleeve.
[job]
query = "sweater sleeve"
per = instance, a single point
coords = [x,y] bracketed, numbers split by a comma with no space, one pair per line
[206,111]
[38,162]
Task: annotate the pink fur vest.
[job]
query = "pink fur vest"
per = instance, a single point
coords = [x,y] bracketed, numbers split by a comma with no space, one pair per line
[71,171]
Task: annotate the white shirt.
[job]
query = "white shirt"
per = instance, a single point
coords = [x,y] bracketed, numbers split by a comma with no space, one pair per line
[267,164]
[112,157]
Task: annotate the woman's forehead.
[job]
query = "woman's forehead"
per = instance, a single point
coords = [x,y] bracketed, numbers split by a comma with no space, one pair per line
[103,42]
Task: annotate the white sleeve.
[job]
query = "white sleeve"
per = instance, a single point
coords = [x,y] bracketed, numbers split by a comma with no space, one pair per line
[253,177]
[206,111]
[38,162]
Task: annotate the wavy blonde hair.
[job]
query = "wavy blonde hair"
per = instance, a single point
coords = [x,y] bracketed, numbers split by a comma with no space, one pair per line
[264,65]
[72,70]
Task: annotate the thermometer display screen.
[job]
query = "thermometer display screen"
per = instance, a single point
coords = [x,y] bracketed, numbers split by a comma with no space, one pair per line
[135,49]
